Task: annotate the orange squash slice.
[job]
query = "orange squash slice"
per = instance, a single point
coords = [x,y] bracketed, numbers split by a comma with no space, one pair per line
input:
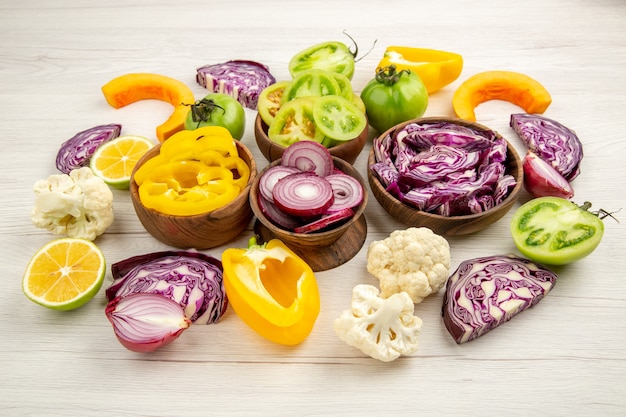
[129,88]
[514,87]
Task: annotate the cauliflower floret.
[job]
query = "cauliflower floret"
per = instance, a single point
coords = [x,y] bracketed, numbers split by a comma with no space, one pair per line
[78,204]
[382,328]
[415,260]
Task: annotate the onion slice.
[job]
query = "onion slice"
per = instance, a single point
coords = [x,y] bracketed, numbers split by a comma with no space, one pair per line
[271,176]
[276,215]
[542,180]
[347,191]
[309,156]
[325,221]
[144,322]
[303,194]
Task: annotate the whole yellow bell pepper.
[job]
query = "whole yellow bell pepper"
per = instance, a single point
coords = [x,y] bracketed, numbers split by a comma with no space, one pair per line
[272,290]
[436,68]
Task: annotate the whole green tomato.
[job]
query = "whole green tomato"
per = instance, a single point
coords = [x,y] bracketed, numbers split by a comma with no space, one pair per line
[394,97]
[218,109]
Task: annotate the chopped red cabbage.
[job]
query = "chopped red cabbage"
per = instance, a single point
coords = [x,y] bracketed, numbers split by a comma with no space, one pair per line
[551,141]
[485,292]
[443,167]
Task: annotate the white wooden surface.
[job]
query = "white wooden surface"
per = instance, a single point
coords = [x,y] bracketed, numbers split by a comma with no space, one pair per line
[567,356]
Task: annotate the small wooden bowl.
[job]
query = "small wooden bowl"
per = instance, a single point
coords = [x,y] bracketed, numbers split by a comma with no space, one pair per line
[452,225]
[272,151]
[321,250]
[200,231]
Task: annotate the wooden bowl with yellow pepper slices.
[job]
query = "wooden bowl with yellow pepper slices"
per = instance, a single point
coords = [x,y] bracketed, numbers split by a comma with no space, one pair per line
[191,191]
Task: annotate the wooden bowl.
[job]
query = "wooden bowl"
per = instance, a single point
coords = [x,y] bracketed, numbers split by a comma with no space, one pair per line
[272,151]
[452,225]
[321,250]
[200,231]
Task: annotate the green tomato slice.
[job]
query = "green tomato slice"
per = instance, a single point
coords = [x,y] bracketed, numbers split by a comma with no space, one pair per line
[338,118]
[315,83]
[294,122]
[327,56]
[555,231]
[269,101]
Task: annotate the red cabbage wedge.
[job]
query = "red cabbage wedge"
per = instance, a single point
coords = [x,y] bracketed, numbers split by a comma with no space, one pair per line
[551,141]
[192,279]
[484,293]
[76,152]
[241,79]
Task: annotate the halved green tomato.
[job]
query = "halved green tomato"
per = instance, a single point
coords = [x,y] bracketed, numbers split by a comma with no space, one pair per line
[311,83]
[294,122]
[338,118]
[327,56]
[555,231]
[269,101]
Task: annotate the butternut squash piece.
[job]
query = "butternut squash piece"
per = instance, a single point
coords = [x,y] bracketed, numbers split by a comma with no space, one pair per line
[129,88]
[514,87]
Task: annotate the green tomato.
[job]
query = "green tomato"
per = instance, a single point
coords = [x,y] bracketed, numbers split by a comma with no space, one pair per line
[270,100]
[555,231]
[218,109]
[294,122]
[311,83]
[338,119]
[327,56]
[394,97]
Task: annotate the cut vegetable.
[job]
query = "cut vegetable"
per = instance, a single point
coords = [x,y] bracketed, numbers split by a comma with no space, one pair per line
[556,144]
[144,322]
[243,80]
[541,179]
[309,156]
[269,179]
[130,88]
[514,87]
[303,194]
[325,221]
[484,293]
[78,150]
[347,191]
[191,279]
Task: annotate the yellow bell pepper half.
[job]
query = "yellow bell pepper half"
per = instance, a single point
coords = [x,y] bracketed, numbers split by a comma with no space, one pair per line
[436,68]
[272,290]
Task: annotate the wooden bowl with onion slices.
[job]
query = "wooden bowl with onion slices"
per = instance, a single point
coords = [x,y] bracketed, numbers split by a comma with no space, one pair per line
[447,225]
[272,151]
[323,249]
[200,231]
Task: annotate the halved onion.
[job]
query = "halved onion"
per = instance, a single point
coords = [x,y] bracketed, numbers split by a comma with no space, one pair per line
[542,180]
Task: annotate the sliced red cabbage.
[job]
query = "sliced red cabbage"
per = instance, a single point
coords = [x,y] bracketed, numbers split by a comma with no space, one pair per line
[551,141]
[244,80]
[443,167]
[485,292]
[192,279]
[76,152]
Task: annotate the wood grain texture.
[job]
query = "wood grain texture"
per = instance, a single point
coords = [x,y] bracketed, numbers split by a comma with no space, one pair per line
[564,357]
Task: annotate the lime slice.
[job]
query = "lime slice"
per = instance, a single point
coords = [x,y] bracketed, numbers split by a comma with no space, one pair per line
[64,274]
[114,160]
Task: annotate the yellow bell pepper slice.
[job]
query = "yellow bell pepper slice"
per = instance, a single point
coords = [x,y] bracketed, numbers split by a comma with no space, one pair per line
[272,290]
[436,68]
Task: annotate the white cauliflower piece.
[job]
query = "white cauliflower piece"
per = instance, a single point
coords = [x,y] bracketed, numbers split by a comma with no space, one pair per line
[78,204]
[382,328]
[415,260]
